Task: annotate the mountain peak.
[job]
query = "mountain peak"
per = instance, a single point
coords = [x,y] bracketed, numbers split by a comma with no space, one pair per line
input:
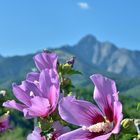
[89,36]
[88,39]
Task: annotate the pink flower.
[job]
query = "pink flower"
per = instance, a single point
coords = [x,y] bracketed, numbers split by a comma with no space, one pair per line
[35,135]
[38,98]
[58,130]
[4,122]
[38,95]
[96,123]
[45,60]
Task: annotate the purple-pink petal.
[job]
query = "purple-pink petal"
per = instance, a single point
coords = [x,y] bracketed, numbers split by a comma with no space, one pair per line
[59,130]
[35,135]
[14,105]
[118,116]
[32,76]
[45,60]
[46,81]
[102,137]
[58,127]
[39,107]
[78,134]
[4,122]
[53,97]
[21,95]
[103,94]
[31,87]
[79,112]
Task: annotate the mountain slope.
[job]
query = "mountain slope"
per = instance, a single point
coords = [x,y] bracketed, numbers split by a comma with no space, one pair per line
[92,56]
[107,56]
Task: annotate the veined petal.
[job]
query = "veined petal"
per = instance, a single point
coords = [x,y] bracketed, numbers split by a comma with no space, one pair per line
[31,87]
[32,76]
[39,107]
[59,130]
[104,91]
[102,137]
[46,80]
[21,95]
[118,116]
[45,60]
[35,135]
[78,134]
[4,122]
[53,97]
[14,105]
[79,112]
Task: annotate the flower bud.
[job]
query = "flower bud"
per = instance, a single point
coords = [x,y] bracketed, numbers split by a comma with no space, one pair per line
[127,123]
[46,51]
[3,92]
[67,67]
[137,125]
[71,61]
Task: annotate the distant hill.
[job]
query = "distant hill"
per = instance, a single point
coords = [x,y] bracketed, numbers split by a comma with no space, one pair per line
[134,92]
[14,69]
[92,56]
[107,56]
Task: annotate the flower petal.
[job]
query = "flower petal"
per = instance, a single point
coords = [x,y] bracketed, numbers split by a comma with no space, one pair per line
[59,129]
[53,97]
[78,134]
[14,105]
[31,87]
[35,135]
[39,107]
[104,91]
[46,80]
[102,137]
[32,76]
[21,95]
[79,112]
[4,122]
[45,60]
[118,116]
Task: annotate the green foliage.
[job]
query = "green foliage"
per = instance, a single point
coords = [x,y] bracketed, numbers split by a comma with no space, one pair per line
[15,134]
[138,106]
[21,127]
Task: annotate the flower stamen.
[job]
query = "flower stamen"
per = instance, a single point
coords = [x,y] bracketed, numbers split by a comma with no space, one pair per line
[36,82]
[100,127]
[32,94]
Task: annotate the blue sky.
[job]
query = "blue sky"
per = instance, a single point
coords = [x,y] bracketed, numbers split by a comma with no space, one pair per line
[30,25]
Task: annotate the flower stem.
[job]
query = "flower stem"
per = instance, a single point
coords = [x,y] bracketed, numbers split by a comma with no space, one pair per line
[113,137]
[35,122]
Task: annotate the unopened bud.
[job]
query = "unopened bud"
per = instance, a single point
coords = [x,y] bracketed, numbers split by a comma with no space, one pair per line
[71,61]
[137,125]
[46,51]
[69,94]
[67,67]
[3,92]
[127,123]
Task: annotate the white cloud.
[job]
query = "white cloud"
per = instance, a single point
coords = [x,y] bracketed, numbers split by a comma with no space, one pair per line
[83,5]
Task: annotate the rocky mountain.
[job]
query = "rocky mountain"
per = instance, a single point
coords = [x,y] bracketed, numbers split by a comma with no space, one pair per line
[107,56]
[92,56]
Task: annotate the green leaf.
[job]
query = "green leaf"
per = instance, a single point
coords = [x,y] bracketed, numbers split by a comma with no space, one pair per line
[71,72]
[138,106]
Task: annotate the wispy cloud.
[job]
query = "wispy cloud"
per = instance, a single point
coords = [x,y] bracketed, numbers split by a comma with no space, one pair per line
[83,5]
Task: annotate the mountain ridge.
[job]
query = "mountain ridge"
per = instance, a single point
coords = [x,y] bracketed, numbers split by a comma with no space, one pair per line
[107,56]
[92,56]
